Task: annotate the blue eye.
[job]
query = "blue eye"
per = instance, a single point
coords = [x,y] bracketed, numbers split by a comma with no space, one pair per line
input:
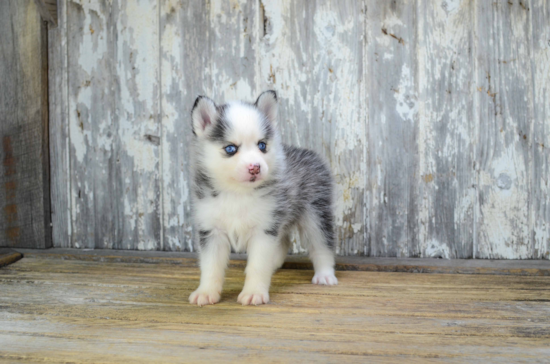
[262,146]
[230,149]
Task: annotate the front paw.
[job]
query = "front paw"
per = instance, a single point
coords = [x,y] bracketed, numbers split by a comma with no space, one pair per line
[325,278]
[253,297]
[203,297]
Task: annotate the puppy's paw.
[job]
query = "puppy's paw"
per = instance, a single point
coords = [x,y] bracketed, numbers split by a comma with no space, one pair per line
[203,297]
[253,297]
[325,278]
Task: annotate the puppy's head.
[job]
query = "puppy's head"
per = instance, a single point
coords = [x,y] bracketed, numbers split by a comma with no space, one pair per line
[237,142]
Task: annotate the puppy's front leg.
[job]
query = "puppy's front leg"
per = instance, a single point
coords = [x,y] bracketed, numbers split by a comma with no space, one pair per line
[214,256]
[265,255]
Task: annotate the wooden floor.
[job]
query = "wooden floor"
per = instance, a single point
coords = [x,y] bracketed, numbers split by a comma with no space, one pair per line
[60,311]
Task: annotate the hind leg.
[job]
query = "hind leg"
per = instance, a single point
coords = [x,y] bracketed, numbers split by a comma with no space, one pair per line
[318,236]
[285,243]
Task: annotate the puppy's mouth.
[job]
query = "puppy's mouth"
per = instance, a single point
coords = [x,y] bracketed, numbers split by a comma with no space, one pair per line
[253,178]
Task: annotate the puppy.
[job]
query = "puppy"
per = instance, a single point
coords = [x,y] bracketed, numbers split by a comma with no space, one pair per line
[249,191]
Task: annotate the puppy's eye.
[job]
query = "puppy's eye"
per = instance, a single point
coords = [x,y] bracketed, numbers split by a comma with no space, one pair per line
[262,146]
[231,149]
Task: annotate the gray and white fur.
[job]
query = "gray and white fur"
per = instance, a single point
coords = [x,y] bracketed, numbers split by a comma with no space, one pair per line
[250,190]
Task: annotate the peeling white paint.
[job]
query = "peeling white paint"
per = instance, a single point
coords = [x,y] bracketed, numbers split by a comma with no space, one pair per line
[436,249]
[406,96]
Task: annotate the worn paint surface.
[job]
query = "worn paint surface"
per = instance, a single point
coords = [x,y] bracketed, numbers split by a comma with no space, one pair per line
[432,114]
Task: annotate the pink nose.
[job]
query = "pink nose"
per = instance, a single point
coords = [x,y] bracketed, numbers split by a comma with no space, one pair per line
[254,169]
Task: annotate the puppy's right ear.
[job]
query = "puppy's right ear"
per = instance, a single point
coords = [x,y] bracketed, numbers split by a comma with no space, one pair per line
[267,103]
[204,115]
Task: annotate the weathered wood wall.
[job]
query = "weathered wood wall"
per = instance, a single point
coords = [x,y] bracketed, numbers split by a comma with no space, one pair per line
[24,166]
[433,114]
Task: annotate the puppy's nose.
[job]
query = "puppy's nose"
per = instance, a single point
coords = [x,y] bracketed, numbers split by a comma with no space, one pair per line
[254,169]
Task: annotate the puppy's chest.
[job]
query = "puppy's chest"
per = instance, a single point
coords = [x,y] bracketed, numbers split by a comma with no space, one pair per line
[235,214]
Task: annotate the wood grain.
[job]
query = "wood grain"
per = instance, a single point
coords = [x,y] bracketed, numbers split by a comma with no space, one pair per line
[114,124]
[8,256]
[182,47]
[446,192]
[392,101]
[60,172]
[24,169]
[137,180]
[504,113]
[540,63]
[83,312]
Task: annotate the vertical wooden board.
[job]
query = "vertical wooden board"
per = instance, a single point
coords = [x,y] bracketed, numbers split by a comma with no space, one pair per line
[182,39]
[184,63]
[137,67]
[205,49]
[114,128]
[312,54]
[392,99]
[60,175]
[446,187]
[24,184]
[540,63]
[505,118]
[91,124]
[233,35]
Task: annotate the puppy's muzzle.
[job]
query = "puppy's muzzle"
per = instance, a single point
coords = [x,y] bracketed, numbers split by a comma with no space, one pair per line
[254,170]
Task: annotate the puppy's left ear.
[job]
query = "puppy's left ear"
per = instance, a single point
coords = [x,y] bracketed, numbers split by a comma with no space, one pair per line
[267,104]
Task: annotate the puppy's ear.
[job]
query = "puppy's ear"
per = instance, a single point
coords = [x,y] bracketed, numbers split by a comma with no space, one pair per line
[204,115]
[267,104]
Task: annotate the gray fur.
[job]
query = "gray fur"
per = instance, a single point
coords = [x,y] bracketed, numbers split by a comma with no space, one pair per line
[303,190]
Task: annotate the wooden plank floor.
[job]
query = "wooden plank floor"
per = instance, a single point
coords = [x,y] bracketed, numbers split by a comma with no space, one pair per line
[59,311]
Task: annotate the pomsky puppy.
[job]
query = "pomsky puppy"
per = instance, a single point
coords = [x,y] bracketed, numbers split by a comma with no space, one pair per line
[249,191]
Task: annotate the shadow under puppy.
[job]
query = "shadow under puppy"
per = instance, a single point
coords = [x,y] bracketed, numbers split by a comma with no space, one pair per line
[249,191]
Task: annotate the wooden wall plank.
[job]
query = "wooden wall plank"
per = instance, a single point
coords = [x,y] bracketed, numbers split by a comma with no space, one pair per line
[233,38]
[392,99]
[504,115]
[219,39]
[447,194]
[183,38]
[312,54]
[136,70]
[60,175]
[114,126]
[540,63]
[24,170]
[90,119]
